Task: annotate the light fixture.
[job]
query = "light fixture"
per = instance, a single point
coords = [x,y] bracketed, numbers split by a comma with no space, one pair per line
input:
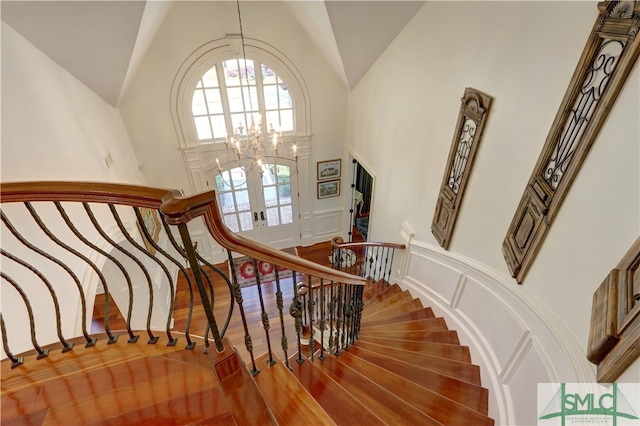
[256,145]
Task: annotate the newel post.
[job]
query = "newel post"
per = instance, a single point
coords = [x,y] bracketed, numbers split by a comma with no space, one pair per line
[179,211]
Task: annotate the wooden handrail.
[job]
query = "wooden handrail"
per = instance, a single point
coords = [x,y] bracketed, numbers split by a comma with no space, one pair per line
[180,209]
[99,192]
[338,242]
[177,209]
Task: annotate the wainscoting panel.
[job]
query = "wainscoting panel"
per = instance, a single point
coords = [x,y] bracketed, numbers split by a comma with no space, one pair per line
[522,389]
[501,329]
[442,279]
[516,341]
[326,225]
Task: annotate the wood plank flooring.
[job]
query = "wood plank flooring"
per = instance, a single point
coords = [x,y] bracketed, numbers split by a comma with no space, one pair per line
[140,383]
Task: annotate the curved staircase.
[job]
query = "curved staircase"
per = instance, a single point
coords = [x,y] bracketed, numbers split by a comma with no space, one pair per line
[395,362]
[405,368]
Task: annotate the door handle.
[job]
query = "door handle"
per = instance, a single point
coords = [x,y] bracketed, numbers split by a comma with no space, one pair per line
[262,215]
[255,216]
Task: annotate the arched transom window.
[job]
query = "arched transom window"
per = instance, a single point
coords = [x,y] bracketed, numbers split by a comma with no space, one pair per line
[233,91]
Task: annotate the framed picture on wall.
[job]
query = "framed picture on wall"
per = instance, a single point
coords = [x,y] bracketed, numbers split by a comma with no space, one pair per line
[151,222]
[329,169]
[330,188]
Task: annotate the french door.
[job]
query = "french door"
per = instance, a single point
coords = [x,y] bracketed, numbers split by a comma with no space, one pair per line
[261,203]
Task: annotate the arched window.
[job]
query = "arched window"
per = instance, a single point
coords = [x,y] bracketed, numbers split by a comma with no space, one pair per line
[232,92]
[214,93]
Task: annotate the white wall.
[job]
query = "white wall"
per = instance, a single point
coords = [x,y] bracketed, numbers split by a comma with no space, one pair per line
[401,119]
[53,128]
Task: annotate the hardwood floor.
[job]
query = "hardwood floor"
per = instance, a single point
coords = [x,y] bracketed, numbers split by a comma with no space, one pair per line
[138,383]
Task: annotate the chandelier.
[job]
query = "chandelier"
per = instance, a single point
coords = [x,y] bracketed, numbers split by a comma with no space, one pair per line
[254,145]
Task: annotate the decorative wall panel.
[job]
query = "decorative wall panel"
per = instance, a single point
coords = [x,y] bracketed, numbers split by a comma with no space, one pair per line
[614,336]
[606,61]
[466,138]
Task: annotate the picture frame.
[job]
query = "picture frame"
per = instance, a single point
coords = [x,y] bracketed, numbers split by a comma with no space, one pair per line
[328,189]
[330,169]
[151,222]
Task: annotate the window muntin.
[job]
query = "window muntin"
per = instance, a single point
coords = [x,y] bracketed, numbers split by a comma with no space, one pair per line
[234,199]
[230,93]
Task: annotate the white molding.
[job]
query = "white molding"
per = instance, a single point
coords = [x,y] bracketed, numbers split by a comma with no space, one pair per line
[326,225]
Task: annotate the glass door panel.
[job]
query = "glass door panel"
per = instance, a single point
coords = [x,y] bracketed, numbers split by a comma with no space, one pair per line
[260,205]
[233,193]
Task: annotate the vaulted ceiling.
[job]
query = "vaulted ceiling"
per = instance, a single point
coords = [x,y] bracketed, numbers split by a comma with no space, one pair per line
[102,42]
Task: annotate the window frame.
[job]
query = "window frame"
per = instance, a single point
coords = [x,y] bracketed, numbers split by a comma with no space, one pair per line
[251,91]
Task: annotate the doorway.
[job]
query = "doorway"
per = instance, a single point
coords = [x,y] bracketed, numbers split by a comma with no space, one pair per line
[361,203]
[259,203]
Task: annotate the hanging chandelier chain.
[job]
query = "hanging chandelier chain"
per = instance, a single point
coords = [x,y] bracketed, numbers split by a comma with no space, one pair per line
[250,145]
[244,58]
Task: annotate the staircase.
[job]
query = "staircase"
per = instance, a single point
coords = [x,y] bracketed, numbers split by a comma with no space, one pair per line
[406,368]
[394,363]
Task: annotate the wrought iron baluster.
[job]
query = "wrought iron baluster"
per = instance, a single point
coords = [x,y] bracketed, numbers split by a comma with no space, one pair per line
[56,305]
[112,338]
[152,339]
[390,270]
[125,233]
[310,307]
[371,265]
[332,319]
[173,260]
[295,310]
[280,305]
[348,312]
[15,362]
[42,353]
[206,304]
[212,287]
[83,302]
[357,312]
[339,319]
[263,314]
[46,255]
[382,262]
[190,344]
[322,321]
[237,293]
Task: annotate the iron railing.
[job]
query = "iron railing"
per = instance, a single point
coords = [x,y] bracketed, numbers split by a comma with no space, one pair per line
[63,241]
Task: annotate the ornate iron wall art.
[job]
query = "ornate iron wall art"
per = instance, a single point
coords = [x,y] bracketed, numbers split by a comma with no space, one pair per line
[614,336]
[606,61]
[466,138]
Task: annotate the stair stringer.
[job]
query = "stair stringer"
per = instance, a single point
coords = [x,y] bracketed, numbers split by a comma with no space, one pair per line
[538,347]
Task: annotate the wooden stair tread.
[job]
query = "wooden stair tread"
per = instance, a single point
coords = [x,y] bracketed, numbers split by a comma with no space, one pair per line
[468,394]
[383,295]
[439,336]
[385,302]
[416,325]
[405,316]
[458,369]
[288,400]
[385,311]
[443,350]
[385,404]
[435,405]
[343,408]
[374,289]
